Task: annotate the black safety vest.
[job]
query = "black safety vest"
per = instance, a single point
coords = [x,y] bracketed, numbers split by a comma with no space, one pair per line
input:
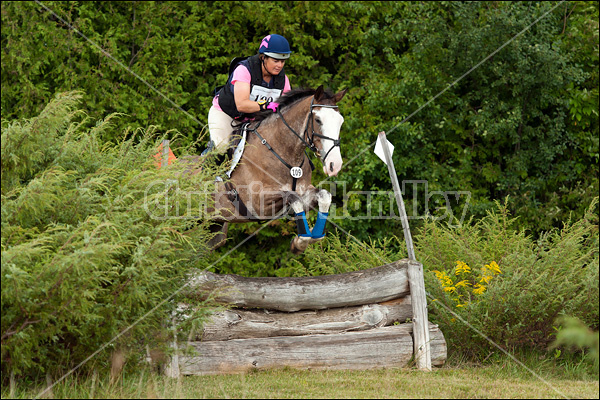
[225,93]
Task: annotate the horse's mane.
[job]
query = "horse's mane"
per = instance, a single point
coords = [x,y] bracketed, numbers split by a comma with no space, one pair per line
[288,99]
[293,95]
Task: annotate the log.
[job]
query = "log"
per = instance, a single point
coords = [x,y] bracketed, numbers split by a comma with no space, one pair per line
[390,346]
[438,349]
[420,319]
[245,324]
[355,288]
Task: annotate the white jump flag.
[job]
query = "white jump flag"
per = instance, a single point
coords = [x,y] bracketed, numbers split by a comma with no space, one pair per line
[379,148]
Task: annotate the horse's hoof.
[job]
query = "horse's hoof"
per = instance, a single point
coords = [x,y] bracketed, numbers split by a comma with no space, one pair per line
[297,245]
[293,249]
[220,235]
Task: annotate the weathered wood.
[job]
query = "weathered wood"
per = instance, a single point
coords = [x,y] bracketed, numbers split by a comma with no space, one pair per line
[172,369]
[165,154]
[437,346]
[356,288]
[420,321]
[390,346]
[245,324]
[415,272]
[389,161]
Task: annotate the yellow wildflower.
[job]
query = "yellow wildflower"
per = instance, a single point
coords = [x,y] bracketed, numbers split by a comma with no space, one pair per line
[485,279]
[463,283]
[478,289]
[450,289]
[443,278]
[461,268]
[494,268]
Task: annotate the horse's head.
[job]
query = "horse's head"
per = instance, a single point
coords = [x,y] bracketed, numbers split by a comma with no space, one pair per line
[326,125]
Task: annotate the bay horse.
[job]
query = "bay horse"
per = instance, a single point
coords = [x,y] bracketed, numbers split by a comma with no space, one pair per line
[275,172]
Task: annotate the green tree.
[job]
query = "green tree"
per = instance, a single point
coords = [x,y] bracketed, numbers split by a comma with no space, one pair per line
[522,125]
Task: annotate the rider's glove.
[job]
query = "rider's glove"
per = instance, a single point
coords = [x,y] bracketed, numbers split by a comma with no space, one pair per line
[272,106]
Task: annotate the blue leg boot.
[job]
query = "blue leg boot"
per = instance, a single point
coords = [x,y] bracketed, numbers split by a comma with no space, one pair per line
[318,231]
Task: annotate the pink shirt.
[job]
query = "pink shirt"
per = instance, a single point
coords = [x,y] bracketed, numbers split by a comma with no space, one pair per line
[242,74]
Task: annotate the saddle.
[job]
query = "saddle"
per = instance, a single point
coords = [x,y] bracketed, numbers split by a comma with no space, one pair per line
[234,152]
[235,149]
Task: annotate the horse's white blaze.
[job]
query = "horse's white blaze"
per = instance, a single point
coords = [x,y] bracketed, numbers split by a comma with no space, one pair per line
[331,123]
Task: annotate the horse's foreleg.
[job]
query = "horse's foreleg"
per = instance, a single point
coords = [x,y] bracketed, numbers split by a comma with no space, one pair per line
[305,236]
[300,215]
[300,242]
[324,201]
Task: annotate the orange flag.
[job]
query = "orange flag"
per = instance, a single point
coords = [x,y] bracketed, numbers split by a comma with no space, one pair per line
[159,156]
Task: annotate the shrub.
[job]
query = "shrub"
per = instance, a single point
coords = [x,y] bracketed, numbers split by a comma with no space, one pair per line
[573,334]
[86,251]
[488,283]
[524,285]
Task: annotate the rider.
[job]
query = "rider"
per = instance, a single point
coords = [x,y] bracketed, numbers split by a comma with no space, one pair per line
[255,85]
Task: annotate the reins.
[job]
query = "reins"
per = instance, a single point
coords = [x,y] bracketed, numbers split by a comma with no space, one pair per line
[310,145]
[296,172]
[264,142]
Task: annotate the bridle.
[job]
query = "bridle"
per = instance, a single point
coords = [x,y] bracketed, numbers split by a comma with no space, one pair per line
[309,140]
[306,139]
[336,142]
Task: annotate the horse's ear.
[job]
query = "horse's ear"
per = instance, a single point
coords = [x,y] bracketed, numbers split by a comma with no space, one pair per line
[338,96]
[319,93]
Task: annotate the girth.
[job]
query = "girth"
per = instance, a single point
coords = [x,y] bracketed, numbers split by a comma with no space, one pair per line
[234,198]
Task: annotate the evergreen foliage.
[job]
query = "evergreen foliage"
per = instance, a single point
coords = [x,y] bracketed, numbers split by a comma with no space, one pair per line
[94,236]
[87,253]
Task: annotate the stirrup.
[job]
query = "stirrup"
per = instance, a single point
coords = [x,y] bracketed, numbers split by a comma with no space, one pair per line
[219,159]
[209,147]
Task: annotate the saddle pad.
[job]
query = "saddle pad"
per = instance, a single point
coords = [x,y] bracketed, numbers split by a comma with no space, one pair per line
[237,153]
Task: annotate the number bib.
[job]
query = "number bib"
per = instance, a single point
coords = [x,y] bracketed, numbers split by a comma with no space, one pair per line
[263,93]
[296,172]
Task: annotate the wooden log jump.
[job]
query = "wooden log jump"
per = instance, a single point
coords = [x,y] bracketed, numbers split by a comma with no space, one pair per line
[374,285]
[247,324]
[356,320]
[389,346]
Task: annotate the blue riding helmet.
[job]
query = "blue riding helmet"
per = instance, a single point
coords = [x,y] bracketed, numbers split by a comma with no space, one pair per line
[275,46]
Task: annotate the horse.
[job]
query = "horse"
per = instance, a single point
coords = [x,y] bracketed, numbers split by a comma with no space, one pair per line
[275,171]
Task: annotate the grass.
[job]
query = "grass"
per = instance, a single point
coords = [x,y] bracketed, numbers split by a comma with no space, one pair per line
[504,378]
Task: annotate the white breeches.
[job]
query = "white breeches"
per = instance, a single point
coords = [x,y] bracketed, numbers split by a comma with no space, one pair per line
[219,126]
